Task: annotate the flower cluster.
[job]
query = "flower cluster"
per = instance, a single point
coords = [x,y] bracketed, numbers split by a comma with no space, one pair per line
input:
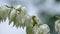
[18,16]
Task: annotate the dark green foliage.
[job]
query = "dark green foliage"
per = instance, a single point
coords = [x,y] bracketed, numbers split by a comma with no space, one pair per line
[57,0]
[51,24]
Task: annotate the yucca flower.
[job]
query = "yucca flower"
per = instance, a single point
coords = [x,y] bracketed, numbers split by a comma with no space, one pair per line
[17,16]
[57,26]
[43,29]
[4,11]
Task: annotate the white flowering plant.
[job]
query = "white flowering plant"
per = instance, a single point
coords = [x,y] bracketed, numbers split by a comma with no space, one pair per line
[19,17]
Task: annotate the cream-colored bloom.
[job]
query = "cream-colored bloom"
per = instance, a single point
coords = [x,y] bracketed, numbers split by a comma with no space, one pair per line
[18,16]
[43,29]
[57,25]
[4,11]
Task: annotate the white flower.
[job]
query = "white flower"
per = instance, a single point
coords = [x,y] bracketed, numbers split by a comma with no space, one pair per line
[4,11]
[57,25]
[21,15]
[18,16]
[43,29]
[20,20]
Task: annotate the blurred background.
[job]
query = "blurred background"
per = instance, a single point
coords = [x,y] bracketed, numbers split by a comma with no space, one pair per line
[46,10]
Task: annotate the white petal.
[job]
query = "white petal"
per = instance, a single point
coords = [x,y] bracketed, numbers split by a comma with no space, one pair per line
[12,15]
[4,12]
[24,10]
[18,7]
[18,17]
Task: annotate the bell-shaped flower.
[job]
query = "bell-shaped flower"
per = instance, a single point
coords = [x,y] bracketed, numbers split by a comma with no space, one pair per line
[43,29]
[21,16]
[57,25]
[17,16]
[20,20]
[4,11]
